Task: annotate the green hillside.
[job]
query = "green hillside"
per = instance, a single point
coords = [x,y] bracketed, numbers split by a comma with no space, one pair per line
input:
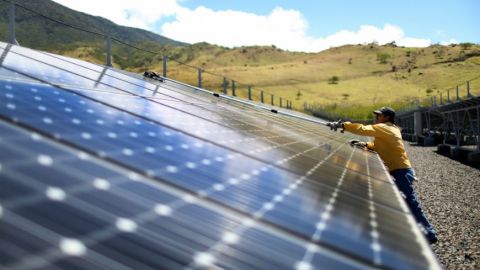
[35,31]
[347,81]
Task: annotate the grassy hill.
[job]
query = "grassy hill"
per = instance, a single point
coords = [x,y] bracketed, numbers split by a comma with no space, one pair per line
[35,31]
[347,81]
[368,75]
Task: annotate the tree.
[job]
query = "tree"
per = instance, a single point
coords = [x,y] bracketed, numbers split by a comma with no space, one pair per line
[383,57]
[466,45]
[333,80]
[299,95]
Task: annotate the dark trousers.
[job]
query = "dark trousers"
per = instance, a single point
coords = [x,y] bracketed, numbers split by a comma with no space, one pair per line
[404,180]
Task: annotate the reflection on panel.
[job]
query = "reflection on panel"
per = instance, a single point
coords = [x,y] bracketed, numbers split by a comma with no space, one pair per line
[106,170]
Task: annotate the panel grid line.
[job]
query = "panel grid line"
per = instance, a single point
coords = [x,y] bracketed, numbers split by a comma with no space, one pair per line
[104,169]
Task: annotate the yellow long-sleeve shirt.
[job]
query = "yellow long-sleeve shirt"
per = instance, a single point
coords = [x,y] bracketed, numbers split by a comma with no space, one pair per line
[387,143]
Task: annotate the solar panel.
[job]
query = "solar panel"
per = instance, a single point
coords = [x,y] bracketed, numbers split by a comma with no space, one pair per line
[99,169]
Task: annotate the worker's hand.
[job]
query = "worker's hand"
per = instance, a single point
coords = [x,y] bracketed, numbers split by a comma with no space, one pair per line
[336,125]
[357,143]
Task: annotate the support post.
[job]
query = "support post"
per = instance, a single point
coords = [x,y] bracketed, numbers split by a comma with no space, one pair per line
[164,61]
[199,77]
[271,99]
[280,102]
[448,96]
[233,88]
[478,129]
[458,97]
[249,92]
[458,135]
[11,25]
[417,124]
[261,97]
[441,99]
[225,85]
[468,90]
[109,51]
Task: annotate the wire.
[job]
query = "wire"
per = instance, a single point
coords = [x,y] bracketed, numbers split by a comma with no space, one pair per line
[239,83]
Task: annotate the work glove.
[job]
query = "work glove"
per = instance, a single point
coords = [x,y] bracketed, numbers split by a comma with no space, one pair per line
[336,125]
[357,143]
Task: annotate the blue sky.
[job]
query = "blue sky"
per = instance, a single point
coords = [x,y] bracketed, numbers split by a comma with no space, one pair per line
[296,25]
[457,19]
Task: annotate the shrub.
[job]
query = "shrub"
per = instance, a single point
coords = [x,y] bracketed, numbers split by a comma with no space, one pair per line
[333,80]
[466,45]
[383,57]
[299,95]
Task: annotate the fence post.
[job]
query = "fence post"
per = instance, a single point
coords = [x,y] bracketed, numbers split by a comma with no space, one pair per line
[249,92]
[109,51]
[199,77]
[468,89]
[448,95]
[164,61]
[458,98]
[271,99]
[11,25]
[280,102]
[225,85]
[261,96]
[434,101]
[233,88]
[441,99]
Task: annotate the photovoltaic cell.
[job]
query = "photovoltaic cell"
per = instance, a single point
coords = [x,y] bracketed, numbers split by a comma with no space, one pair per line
[106,170]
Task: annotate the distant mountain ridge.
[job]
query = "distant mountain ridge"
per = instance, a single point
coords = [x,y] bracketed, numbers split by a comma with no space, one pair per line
[37,32]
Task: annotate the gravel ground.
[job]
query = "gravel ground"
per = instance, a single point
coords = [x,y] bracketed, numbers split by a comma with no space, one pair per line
[449,192]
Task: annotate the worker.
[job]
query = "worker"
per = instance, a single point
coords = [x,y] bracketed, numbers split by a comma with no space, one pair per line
[389,146]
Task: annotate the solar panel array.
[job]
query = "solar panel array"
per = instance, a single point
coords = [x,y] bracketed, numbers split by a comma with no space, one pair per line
[102,170]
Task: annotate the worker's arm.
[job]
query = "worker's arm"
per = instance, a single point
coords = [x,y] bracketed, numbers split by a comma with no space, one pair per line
[368,145]
[364,130]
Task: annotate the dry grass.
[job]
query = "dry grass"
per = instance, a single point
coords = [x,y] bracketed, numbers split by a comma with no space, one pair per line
[408,73]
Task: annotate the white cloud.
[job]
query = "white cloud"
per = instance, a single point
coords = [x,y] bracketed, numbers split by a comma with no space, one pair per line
[286,29]
[234,28]
[448,42]
[134,13]
[368,34]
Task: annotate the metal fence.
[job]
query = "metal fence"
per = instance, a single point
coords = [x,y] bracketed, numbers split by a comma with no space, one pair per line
[171,68]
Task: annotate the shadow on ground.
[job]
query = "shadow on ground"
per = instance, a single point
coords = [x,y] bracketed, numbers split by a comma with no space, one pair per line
[462,155]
